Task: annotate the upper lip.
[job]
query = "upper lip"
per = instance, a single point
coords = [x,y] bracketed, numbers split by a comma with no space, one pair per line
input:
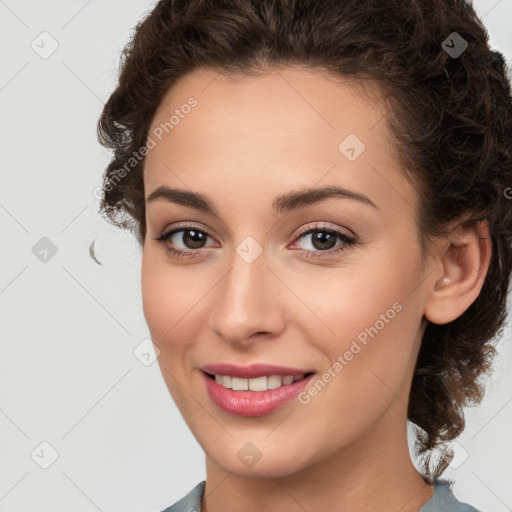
[252,371]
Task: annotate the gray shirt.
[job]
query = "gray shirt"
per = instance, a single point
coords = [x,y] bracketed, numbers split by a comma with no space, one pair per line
[442,500]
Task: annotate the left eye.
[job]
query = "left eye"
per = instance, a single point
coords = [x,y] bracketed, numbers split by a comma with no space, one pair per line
[323,239]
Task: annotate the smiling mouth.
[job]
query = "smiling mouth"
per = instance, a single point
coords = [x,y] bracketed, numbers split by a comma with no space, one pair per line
[263,383]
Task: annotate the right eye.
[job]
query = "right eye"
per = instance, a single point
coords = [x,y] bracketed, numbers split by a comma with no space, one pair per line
[192,238]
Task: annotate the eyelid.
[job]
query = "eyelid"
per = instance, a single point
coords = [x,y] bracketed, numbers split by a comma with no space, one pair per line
[184,225]
[320,225]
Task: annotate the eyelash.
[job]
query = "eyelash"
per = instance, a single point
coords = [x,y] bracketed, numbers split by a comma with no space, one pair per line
[346,239]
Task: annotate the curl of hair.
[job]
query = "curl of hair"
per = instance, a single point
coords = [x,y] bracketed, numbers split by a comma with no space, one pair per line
[451,119]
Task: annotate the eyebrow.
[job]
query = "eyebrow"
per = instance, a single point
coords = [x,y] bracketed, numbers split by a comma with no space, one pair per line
[283,203]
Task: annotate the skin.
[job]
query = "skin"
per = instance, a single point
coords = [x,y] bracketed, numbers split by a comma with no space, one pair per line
[248,140]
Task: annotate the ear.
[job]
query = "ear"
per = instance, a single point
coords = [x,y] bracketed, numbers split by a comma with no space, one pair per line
[463,261]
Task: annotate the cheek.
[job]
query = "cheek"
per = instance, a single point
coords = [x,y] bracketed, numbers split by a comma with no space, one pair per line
[167,310]
[163,298]
[369,315]
[174,303]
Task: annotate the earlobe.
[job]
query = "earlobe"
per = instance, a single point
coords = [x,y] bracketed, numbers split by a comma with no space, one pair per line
[464,263]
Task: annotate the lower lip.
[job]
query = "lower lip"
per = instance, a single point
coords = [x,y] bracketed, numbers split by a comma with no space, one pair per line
[253,403]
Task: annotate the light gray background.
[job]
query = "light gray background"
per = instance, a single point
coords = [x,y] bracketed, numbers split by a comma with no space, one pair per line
[69,327]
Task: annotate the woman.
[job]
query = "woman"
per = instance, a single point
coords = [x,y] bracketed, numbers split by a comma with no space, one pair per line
[320,192]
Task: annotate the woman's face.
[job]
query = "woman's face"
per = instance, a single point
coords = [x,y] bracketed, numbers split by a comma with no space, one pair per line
[250,290]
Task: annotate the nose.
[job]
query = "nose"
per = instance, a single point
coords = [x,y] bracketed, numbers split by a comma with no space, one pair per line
[247,302]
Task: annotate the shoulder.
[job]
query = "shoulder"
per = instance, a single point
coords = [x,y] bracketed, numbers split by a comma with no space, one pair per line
[443,500]
[191,502]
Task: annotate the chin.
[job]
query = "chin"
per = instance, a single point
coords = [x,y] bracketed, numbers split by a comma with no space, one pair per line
[261,469]
[245,459]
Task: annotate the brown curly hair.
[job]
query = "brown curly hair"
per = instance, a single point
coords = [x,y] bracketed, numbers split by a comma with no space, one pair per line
[450,116]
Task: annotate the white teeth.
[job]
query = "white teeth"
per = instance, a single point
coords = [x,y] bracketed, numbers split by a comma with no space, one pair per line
[256,384]
[288,379]
[274,382]
[239,384]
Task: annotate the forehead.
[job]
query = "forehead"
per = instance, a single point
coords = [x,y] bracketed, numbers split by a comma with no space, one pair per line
[291,125]
[294,97]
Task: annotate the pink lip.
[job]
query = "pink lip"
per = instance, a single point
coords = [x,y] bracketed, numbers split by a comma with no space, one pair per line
[253,403]
[252,371]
